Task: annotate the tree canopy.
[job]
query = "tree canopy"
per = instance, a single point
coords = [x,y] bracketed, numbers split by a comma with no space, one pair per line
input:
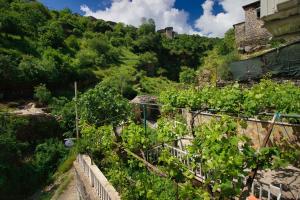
[103,105]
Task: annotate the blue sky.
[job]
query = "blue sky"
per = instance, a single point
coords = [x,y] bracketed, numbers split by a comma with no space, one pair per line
[74,5]
[207,17]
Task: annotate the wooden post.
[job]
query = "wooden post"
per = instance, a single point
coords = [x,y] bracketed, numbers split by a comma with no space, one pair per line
[193,123]
[76,111]
[270,128]
[265,142]
[216,76]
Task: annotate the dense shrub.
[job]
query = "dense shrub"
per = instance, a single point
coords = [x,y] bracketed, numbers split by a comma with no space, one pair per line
[47,157]
[25,168]
[187,75]
[64,109]
[42,94]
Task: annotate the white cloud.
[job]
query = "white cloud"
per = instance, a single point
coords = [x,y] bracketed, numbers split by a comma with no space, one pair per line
[132,11]
[165,14]
[216,25]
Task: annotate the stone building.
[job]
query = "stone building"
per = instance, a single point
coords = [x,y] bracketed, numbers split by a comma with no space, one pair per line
[151,108]
[168,32]
[250,35]
[282,18]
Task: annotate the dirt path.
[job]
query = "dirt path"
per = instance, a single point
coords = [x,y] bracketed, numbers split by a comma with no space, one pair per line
[70,192]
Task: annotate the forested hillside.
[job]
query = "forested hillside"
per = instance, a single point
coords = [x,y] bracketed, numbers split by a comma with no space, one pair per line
[38,45]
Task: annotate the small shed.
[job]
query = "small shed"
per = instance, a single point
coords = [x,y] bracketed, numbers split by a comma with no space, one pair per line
[147,102]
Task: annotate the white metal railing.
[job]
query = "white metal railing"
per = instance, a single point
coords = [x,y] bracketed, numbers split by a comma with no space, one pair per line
[266,191]
[186,160]
[98,181]
[153,155]
[263,191]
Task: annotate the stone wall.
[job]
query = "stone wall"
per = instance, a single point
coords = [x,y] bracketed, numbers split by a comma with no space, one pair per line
[255,33]
[239,34]
[169,33]
[251,34]
[256,130]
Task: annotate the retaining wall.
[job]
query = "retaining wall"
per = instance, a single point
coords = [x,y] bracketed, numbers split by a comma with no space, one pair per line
[283,133]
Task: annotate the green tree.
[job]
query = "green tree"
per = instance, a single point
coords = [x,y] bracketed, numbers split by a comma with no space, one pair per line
[103,105]
[56,67]
[52,35]
[153,85]
[31,16]
[29,69]
[8,68]
[98,26]
[227,45]
[149,42]
[47,157]
[123,80]
[187,75]
[17,178]
[72,42]
[64,108]
[42,94]
[97,52]
[10,23]
[184,50]
[147,27]
[148,62]
[135,138]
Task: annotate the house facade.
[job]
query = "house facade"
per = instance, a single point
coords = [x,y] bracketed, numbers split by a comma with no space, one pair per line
[282,18]
[251,35]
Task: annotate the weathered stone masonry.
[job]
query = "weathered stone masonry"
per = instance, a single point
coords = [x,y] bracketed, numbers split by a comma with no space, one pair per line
[251,34]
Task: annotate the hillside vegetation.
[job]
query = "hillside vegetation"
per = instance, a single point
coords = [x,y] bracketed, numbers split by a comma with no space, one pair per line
[38,45]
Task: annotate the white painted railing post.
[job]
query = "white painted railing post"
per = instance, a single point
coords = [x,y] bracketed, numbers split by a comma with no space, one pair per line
[102,188]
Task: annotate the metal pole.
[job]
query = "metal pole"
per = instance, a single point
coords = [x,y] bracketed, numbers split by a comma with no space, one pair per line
[281,115]
[216,76]
[76,110]
[145,121]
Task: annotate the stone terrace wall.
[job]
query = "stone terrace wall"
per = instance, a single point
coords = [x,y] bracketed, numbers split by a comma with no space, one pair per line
[256,130]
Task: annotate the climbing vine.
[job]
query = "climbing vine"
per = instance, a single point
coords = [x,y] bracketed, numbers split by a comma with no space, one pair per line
[224,155]
[267,96]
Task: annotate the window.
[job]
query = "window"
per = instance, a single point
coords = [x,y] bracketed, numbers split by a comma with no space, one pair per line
[258,12]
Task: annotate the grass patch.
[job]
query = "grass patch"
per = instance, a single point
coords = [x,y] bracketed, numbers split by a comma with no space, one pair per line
[46,196]
[5,108]
[67,164]
[128,58]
